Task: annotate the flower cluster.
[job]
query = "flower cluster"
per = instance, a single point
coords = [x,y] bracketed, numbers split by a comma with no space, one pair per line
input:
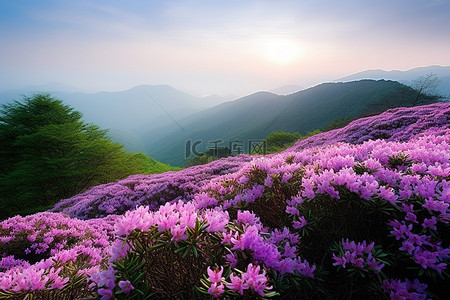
[397,124]
[149,190]
[49,249]
[358,255]
[423,249]
[398,289]
[182,228]
[45,234]
[276,217]
[253,280]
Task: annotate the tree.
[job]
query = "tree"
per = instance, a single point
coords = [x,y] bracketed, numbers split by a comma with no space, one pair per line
[209,156]
[426,89]
[422,91]
[339,123]
[48,153]
[281,140]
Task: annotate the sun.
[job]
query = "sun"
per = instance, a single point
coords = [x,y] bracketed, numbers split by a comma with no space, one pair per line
[281,50]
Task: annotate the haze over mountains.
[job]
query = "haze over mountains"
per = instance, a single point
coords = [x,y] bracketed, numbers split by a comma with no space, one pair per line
[159,119]
[250,119]
[126,112]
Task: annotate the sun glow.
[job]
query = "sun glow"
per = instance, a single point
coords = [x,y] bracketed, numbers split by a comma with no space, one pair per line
[281,50]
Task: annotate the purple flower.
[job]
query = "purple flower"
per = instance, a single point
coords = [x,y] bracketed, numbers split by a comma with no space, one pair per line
[300,223]
[126,286]
[106,294]
[430,223]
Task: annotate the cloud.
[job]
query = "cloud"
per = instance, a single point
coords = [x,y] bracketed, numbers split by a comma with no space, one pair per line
[218,41]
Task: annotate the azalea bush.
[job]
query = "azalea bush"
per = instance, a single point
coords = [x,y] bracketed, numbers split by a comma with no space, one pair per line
[49,255]
[150,190]
[332,221]
[178,244]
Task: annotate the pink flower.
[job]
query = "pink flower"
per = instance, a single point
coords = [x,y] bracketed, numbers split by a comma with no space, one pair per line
[388,194]
[286,177]
[215,275]
[258,281]
[268,181]
[178,233]
[237,284]
[231,259]
[216,219]
[216,290]
[292,210]
[246,217]
[407,246]
[411,217]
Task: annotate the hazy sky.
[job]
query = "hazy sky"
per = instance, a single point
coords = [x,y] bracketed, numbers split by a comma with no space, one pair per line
[215,47]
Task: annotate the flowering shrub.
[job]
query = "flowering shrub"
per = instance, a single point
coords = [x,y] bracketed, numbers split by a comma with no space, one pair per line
[150,190]
[381,191]
[359,256]
[251,283]
[50,255]
[367,219]
[405,290]
[178,243]
[397,124]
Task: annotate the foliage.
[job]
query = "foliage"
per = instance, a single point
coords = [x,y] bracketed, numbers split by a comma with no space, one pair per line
[422,91]
[48,153]
[426,89]
[149,190]
[209,156]
[278,141]
[338,123]
[255,116]
[150,165]
[398,124]
[367,220]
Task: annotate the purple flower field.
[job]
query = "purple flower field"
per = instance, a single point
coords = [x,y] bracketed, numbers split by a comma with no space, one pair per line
[360,211]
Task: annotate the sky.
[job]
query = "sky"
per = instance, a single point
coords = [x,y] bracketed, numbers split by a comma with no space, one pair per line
[215,47]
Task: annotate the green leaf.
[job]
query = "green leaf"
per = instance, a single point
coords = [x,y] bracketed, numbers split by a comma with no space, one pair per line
[185,253]
[180,249]
[156,235]
[138,278]
[155,247]
[271,294]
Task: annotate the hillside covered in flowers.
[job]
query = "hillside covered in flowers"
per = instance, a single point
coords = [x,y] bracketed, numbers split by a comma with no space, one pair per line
[361,211]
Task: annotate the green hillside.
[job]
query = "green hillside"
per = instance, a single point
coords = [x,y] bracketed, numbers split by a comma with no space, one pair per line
[48,153]
[254,117]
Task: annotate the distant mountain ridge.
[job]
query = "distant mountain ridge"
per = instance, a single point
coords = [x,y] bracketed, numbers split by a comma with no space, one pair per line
[406,77]
[253,117]
[286,89]
[157,119]
[126,112]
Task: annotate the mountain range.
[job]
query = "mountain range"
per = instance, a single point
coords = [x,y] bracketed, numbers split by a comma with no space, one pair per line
[406,77]
[127,112]
[159,119]
[248,120]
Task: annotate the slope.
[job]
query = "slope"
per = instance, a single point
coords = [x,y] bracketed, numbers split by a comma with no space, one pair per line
[128,112]
[406,77]
[253,117]
[330,220]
